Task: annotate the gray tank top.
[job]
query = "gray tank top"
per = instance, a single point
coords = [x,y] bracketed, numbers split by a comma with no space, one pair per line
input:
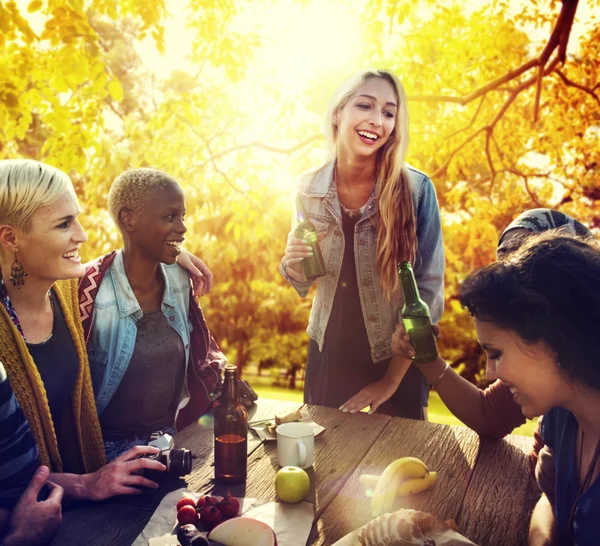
[147,397]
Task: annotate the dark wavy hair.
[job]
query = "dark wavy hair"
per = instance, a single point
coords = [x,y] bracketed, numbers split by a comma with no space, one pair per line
[547,290]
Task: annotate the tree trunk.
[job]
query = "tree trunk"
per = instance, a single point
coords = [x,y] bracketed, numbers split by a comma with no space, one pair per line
[292,377]
[240,358]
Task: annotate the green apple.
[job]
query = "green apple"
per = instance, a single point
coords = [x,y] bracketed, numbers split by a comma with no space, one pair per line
[292,484]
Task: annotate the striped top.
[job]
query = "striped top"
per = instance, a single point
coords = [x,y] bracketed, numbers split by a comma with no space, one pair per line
[18,451]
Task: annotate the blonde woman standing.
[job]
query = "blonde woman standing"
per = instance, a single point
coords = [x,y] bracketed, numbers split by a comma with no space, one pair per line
[371,211]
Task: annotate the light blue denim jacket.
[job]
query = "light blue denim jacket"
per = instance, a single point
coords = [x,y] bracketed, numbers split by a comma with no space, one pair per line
[114,330]
[320,199]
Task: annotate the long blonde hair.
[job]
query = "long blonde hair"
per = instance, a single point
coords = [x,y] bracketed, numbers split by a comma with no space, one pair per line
[396,226]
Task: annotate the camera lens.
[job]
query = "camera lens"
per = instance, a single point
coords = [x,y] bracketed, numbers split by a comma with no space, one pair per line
[181,462]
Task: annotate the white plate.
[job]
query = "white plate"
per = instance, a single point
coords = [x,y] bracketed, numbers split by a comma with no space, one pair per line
[264,434]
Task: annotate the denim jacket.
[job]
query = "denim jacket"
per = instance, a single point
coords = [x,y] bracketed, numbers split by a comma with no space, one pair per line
[113,332]
[320,199]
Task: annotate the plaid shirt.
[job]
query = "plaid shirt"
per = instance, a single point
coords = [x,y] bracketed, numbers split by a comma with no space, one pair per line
[18,451]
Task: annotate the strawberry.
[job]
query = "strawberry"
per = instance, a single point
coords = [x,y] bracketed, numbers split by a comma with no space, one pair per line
[210,517]
[187,514]
[185,501]
[229,506]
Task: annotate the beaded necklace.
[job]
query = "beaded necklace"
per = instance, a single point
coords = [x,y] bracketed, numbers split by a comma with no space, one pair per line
[5,299]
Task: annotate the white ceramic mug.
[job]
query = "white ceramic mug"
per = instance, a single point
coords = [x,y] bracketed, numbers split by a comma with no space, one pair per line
[295,445]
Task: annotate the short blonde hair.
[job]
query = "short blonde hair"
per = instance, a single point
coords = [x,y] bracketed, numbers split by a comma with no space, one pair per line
[25,186]
[131,188]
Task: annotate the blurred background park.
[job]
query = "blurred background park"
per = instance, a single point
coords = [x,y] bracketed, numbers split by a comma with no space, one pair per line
[229,97]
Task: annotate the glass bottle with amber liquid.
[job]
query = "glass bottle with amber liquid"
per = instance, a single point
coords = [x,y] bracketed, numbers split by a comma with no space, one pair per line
[312,266]
[416,318]
[231,432]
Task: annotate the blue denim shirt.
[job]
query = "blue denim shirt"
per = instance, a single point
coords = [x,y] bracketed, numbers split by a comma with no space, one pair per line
[116,312]
[559,432]
[320,199]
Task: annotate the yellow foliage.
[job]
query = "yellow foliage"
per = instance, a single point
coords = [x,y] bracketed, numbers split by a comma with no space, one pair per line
[81,97]
[35,6]
[115,90]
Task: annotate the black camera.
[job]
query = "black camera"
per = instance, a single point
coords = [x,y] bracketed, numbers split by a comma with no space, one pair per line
[177,460]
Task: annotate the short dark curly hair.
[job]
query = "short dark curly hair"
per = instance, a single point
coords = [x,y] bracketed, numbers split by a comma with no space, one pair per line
[133,187]
[547,290]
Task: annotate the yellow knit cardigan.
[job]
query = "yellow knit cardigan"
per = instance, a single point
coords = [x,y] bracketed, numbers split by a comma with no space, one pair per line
[31,394]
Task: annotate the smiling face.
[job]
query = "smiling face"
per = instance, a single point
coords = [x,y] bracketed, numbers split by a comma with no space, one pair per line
[367,120]
[158,229]
[49,250]
[529,369]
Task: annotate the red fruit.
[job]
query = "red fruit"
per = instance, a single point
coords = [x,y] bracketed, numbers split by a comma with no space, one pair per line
[185,501]
[205,501]
[229,506]
[187,515]
[210,517]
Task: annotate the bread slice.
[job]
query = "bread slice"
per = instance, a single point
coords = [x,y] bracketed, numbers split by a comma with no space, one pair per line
[289,417]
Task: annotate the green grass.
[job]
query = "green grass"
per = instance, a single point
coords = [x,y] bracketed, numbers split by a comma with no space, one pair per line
[278,393]
[437,413]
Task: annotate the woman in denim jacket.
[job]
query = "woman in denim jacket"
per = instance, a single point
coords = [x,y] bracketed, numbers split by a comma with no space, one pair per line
[371,211]
[154,363]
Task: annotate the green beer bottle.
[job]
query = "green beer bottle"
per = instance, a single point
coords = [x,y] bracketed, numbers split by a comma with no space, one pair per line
[415,316]
[313,266]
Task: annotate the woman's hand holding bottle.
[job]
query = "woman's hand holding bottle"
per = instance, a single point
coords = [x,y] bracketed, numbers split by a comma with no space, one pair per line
[401,342]
[295,251]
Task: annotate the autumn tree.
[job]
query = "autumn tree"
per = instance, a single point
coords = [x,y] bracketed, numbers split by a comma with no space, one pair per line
[504,104]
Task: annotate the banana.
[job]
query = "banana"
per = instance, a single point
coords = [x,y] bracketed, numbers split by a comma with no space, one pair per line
[368,483]
[416,485]
[395,473]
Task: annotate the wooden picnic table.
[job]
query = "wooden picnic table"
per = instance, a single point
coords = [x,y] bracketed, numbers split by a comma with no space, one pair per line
[484,486]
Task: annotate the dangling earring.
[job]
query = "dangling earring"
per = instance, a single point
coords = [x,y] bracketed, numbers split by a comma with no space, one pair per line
[17,273]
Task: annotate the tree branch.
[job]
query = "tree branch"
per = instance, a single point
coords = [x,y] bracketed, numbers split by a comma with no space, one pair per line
[443,168]
[473,119]
[212,158]
[112,107]
[498,149]
[559,38]
[222,131]
[567,25]
[538,94]
[526,178]
[225,177]
[514,93]
[490,161]
[509,76]
[272,149]
[583,88]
